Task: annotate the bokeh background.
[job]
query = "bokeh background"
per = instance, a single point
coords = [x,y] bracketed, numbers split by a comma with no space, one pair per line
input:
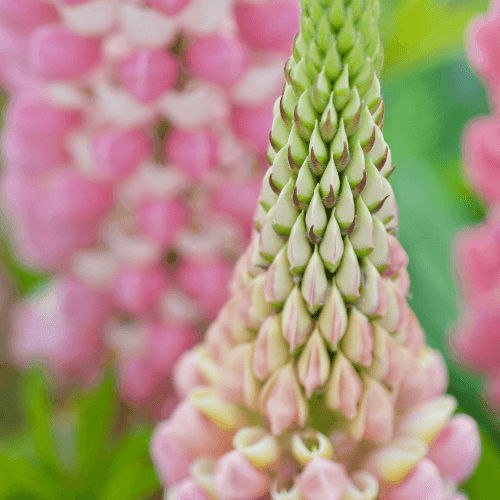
[430,93]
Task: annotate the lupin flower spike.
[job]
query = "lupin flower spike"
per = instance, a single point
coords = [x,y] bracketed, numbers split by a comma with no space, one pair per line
[131,152]
[345,383]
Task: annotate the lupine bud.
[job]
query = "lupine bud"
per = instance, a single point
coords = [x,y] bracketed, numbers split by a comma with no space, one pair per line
[314,364]
[296,323]
[338,351]
[270,349]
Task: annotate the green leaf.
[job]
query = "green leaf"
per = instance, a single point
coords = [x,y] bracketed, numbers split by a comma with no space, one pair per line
[18,476]
[425,33]
[37,407]
[96,411]
[131,474]
[485,482]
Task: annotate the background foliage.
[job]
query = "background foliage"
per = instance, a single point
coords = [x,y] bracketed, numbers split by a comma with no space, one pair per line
[79,448]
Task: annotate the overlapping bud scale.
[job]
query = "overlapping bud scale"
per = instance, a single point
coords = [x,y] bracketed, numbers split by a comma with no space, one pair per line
[339,396]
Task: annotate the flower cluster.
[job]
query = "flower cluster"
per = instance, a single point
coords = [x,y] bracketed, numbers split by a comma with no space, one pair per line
[314,382]
[132,149]
[477,337]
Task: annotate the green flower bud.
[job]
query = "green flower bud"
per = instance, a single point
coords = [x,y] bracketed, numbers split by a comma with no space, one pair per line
[373,194]
[305,116]
[321,91]
[304,186]
[362,237]
[299,77]
[341,90]
[329,186]
[333,63]
[297,149]
[344,210]
[352,113]
[288,102]
[336,14]
[270,241]
[268,196]
[318,152]
[286,213]
[331,247]
[325,35]
[329,122]
[355,170]
[340,148]
[380,255]
[281,172]
[347,34]
[314,283]
[298,247]
[316,218]
[348,276]
[279,133]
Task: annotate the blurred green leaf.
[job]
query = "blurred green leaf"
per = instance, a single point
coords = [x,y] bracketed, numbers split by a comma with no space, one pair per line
[18,476]
[485,482]
[97,410]
[38,411]
[424,33]
[131,475]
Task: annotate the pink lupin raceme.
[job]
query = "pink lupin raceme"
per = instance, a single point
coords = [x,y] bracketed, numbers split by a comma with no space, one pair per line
[132,152]
[477,248]
[316,370]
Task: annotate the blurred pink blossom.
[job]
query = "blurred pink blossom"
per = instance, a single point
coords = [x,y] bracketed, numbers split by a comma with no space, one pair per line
[475,341]
[132,148]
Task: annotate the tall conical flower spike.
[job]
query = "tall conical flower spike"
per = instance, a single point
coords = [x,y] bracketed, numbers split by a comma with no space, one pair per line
[318,346]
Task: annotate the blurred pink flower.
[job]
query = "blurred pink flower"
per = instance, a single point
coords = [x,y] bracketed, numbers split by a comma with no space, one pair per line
[475,341]
[132,147]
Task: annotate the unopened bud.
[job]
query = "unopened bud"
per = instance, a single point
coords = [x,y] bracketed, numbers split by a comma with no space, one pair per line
[296,323]
[314,364]
[298,247]
[270,349]
[332,321]
[348,277]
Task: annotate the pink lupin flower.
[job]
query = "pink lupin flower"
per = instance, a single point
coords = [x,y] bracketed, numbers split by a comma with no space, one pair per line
[477,249]
[132,151]
[316,368]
